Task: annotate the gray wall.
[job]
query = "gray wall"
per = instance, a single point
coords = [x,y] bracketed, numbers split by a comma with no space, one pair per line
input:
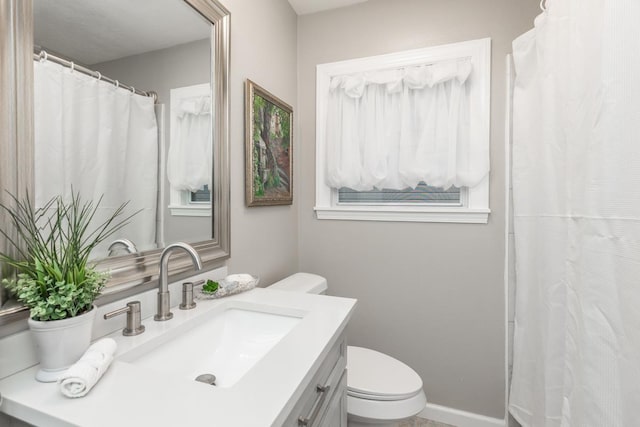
[264,240]
[429,294]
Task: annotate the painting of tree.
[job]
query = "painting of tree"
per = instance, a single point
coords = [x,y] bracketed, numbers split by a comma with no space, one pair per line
[268,148]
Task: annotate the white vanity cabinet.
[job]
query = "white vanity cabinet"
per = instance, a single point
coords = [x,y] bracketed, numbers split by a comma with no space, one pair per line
[324,401]
[302,377]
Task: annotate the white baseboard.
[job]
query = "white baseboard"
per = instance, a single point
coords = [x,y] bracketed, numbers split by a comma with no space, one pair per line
[459,418]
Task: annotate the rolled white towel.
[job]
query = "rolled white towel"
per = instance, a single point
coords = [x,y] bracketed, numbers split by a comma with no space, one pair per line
[242,279]
[85,373]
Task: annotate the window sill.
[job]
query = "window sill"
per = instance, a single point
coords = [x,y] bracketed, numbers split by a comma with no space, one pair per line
[448,215]
[177,210]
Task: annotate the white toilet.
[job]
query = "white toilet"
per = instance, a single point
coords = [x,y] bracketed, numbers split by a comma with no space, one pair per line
[381,390]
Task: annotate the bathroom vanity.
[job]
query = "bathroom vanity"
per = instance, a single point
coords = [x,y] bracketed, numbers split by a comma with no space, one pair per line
[279,358]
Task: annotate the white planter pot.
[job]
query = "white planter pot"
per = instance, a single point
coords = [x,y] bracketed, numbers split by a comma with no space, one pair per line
[60,343]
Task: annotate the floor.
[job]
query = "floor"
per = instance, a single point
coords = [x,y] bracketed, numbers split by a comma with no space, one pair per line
[421,422]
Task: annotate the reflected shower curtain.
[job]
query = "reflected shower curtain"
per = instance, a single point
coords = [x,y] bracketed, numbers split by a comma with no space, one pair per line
[101,140]
[576,188]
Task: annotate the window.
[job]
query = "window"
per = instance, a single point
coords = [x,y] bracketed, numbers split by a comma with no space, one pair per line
[190,203]
[189,162]
[405,136]
[202,195]
[421,195]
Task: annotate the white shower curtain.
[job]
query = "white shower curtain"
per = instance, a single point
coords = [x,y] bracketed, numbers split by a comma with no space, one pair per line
[576,189]
[101,140]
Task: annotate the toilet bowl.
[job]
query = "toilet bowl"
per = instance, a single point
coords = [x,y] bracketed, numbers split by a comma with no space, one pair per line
[381,390]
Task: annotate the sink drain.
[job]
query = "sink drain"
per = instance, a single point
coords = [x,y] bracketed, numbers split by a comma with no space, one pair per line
[207,379]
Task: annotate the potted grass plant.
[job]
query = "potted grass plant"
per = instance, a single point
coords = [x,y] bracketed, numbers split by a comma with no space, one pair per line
[54,277]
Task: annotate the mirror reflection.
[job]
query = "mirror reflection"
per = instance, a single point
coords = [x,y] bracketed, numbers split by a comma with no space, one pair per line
[122,110]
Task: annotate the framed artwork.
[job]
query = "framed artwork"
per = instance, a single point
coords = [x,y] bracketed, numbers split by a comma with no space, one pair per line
[269,148]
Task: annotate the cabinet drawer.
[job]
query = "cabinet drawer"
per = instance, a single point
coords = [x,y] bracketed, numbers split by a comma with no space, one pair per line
[320,391]
[335,415]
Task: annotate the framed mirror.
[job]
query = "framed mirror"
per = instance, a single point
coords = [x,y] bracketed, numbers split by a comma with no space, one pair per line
[166,151]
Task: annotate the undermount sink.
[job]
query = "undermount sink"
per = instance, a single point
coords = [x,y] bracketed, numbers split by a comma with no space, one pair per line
[226,344]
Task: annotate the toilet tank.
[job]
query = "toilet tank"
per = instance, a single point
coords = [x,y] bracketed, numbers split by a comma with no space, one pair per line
[302,282]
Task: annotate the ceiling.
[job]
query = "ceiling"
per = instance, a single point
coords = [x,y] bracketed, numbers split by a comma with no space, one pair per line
[93,31]
[303,7]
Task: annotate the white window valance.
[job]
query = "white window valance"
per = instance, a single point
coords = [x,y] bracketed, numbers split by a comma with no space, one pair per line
[395,128]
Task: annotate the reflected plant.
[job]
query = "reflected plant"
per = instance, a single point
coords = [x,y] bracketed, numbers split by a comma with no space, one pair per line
[54,277]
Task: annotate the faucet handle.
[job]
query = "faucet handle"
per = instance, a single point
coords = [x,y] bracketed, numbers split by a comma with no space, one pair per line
[134,323]
[187,296]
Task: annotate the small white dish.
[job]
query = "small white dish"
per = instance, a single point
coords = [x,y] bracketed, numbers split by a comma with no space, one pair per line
[230,285]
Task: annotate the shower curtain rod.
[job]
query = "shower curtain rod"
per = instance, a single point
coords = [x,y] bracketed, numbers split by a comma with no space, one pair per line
[44,56]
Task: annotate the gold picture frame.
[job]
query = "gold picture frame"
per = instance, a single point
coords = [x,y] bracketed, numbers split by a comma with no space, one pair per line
[268,148]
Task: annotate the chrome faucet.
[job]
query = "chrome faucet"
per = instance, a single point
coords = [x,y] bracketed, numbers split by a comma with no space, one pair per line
[127,244]
[164,311]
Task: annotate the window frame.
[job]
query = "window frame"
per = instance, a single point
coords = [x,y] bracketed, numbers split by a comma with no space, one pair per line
[475,208]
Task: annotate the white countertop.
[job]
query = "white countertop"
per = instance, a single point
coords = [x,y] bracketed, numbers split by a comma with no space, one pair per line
[130,395]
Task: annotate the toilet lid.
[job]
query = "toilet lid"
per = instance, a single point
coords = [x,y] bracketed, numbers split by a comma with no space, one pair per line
[377,376]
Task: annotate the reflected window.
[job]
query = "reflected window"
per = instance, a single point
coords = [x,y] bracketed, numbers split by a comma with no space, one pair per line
[201,196]
[189,159]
